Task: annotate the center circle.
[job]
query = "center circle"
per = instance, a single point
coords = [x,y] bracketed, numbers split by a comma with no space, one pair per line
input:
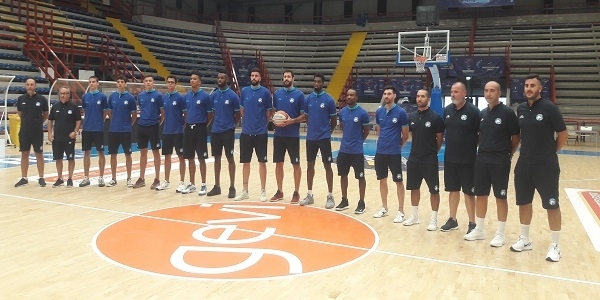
[235,241]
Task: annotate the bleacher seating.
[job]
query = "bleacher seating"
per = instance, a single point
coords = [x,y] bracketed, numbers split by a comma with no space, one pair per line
[305,54]
[180,50]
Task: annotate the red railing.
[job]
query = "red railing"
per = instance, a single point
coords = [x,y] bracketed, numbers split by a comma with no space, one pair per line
[348,85]
[265,78]
[226,55]
[68,45]
[472,37]
[44,57]
[116,61]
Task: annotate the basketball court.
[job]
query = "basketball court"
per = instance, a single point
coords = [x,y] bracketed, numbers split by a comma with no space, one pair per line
[119,242]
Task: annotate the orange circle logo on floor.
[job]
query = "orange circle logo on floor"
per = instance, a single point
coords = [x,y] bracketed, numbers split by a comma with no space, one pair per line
[245,240]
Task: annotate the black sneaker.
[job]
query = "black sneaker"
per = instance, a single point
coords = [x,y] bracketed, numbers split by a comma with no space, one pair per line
[216,190]
[360,208]
[58,182]
[343,205]
[471,227]
[451,224]
[231,193]
[42,182]
[23,181]
[69,182]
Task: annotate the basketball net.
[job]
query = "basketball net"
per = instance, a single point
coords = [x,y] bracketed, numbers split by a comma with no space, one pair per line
[420,61]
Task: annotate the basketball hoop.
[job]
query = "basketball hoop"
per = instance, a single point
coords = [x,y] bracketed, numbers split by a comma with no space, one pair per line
[420,61]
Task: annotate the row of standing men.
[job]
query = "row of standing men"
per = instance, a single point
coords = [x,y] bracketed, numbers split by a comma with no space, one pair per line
[478,152]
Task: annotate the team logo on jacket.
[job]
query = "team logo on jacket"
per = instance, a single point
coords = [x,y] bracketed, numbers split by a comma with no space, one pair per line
[463,117]
[539,117]
[152,100]
[498,121]
[126,102]
[259,100]
[291,100]
[198,101]
[395,120]
[174,103]
[355,119]
[98,102]
[227,101]
[69,112]
[322,105]
[427,124]
[36,104]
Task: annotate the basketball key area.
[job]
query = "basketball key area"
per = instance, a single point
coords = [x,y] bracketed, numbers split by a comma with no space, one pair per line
[90,242]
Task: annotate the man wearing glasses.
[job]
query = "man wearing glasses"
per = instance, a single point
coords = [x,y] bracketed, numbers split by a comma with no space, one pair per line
[63,124]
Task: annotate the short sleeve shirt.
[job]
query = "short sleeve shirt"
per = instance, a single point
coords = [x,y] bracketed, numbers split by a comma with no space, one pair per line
[319,110]
[424,127]
[32,108]
[497,127]
[292,102]
[390,134]
[353,120]
[538,124]
[462,128]
[65,117]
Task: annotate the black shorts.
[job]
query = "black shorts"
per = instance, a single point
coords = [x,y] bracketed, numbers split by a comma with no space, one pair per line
[222,140]
[281,144]
[385,162]
[31,138]
[312,147]
[346,160]
[62,148]
[148,134]
[495,175]
[457,175]
[89,138]
[119,138]
[417,171]
[540,177]
[194,141]
[171,141]
[248,143]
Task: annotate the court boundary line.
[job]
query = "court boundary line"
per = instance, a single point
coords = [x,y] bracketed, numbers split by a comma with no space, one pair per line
[422,258]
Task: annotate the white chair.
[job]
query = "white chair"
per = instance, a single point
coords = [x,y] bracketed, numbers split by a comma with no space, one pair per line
[582,136]
[572,131]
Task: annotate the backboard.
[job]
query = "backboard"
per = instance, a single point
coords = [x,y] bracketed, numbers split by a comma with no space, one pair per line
[430,46]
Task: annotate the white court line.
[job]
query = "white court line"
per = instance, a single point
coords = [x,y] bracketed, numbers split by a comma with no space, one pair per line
[428,259]
[587,220]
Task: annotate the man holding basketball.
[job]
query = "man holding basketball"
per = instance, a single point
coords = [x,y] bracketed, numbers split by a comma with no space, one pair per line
[287,133]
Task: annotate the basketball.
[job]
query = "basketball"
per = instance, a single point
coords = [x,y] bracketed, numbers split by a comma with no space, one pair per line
[279,117]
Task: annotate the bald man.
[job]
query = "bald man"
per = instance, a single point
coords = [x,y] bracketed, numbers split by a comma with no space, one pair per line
[461,119]
[32,108]
[499,138]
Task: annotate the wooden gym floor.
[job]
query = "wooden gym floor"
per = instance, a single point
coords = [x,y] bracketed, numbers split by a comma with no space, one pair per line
[59,243]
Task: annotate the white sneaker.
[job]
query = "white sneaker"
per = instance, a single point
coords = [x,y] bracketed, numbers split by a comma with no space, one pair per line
[432,226]
[202,191]
[382,212]
[243,196]
[411,220]
[163,186]
[474,235]
[522,244]
[553,253]
[189,189]
[101,182]
[180,187]
[263,195]
[498,240]
[399,217]
[129,183]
